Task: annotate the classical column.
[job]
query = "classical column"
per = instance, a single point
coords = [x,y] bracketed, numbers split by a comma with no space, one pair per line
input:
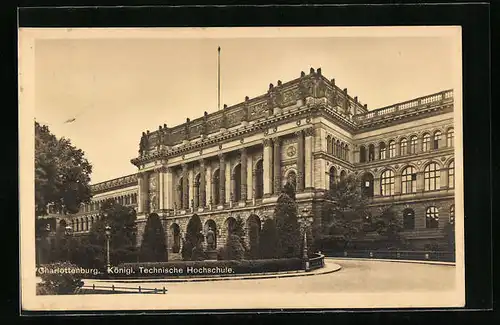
[397,183]
[196,189]
[300,161]
[168,189]
[203,187]
[443,178]
[277,165]
[140,193]
[376,186]
[308,158]
[232,187]
[208,187]
[377,152]
[267,166]
[185,188]
[243,159]
[222,179]
[161,189]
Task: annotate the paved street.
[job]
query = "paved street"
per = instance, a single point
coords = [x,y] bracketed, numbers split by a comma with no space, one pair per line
[355,276]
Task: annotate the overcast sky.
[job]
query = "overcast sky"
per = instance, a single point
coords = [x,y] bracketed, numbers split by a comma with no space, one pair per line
[118,88]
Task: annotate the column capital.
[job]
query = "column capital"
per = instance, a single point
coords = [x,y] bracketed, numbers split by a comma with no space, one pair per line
[267,142]
[161,169]
[299,133]
[201,162]
[242,151]
[184,167]
[276,140]
[221,156]
[309,132]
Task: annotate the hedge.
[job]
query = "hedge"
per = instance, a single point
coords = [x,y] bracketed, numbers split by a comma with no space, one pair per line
[204,268]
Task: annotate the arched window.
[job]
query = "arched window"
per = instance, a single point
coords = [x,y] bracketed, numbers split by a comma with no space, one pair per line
[382,150]
[451,175]
[329,144]
[431,217]
[292,179]
[387,183]
[259,180]
[181,193]
[452,214]
[367,184]
[408,219]
[216,187]
[437,139]
[403,149]
[413,144]
[409,180]
[431,177]
[371,152]
[362,154]
[392,149]
[197,191]
[343,175]
[237,183]
[332,177]
[426,144]
[450,136]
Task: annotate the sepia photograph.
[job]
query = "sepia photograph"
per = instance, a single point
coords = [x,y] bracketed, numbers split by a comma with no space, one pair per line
[241,168]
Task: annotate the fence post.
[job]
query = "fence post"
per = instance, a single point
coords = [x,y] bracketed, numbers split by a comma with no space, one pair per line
[113,287]
[163,290]
[156,291]
[139,289]
[93,286]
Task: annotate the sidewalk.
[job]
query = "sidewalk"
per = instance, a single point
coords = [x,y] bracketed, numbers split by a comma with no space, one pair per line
[392,260]
[329,267]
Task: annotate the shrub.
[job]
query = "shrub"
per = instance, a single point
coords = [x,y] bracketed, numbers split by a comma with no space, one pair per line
[234,248]
[197,253]
[59,283]
[287,226]
[187,250]
[153,246]
[268,239]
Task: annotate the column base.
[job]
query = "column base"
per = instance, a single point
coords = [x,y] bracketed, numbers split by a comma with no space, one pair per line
[242,204]
[272,199]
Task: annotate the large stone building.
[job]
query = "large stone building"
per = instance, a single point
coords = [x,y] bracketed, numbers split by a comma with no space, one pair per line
[235,161]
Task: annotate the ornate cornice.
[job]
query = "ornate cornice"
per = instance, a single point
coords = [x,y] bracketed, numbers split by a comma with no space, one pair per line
[113,184]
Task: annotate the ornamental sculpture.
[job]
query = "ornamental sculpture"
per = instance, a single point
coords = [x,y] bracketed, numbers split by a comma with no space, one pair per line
[144,144]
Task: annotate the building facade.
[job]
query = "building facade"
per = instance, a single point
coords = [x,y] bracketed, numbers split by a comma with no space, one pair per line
[234,162]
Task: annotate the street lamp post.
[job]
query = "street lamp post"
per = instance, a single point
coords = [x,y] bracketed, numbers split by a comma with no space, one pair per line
[306,220]
[108,236]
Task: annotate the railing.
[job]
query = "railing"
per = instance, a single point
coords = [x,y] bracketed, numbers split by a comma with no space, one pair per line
[115,289]
[414,103]
[316,262]
[442,256]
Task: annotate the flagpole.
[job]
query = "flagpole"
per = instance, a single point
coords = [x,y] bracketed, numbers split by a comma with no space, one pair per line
[218,78]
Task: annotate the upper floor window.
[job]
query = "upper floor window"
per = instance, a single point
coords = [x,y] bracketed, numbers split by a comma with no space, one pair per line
[387,183]
[403,147]
[383,150]
[392,149]
[426,144]
[329,144]
[371,152]
[362,154]
[450,138]
[451,175]
[431,177]
[413,144]
[409,180]
[437,139]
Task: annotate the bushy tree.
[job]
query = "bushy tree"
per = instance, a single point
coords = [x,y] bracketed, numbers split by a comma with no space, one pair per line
[234,250]
[121,220]
[389,226]
[192,239]
[343,212]
[287,226]
[268,239]
[254,234]
[153,245]
[62,173]
[59,283]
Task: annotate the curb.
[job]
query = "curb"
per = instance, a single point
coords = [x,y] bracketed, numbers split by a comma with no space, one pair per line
[335,268]
[392,260]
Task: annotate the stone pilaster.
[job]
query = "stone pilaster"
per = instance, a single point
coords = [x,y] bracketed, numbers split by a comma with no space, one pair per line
[267,166]
[277,165]
[308,158]
[243,159]
[420,182]
[300,160]
[203,186]
[222,179]
[168,189]
[140,193]
[397,183]
[185,186]
[376,186]
[208,187]
[250,178]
